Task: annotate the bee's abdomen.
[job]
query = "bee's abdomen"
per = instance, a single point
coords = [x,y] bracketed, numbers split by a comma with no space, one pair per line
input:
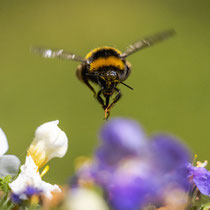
[105,57]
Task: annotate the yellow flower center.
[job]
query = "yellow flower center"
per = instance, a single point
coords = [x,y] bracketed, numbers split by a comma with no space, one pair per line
[38,154]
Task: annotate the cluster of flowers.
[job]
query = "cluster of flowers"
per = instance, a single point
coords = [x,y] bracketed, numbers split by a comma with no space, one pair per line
[128,169]
[49,142]
[136,172]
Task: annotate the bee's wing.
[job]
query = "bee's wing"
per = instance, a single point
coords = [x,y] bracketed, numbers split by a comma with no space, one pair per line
[148,41]
[56,53]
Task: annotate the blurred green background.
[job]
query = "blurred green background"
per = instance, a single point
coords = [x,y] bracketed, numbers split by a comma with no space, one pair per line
[171,80]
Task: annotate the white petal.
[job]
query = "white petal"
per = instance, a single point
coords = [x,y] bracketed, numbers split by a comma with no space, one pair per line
[48,188]
[49,142]
[29,174]
[9,165]
[84,199]
[60,146]
[3,143]
[30,177]
[48,131]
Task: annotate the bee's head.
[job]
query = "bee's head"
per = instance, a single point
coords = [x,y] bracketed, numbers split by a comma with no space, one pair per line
[108,79]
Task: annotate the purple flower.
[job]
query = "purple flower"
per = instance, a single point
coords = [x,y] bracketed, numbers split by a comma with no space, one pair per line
[134,171]
[121,138]
[29,191]
[200,177]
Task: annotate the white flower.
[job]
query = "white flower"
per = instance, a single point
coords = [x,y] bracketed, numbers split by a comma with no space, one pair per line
[30,177]
[49,142]
[85,199]
[9,164]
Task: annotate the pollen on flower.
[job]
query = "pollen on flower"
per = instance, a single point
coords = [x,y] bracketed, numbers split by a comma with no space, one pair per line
[201,165]
[38,154]
[195,157]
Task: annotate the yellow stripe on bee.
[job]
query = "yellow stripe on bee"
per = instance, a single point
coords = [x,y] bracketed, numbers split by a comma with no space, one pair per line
[109,61]
[101,48]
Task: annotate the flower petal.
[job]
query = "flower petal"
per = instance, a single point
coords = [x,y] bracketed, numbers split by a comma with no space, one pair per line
[121,139]
[129,190]
[56,141]
[201,178]
[49,142]
[169,153]
[123,133]
[3,143]
[9,165]
[30,178]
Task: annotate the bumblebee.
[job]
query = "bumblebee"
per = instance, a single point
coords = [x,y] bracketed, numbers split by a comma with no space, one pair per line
[107,67]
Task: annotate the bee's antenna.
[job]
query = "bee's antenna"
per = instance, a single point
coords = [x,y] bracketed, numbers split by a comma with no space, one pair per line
[127,85]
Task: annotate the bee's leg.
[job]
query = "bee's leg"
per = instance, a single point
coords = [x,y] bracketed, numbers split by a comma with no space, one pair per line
[116,99]
[107,101]
[80,73]
[100,100]
[89,85]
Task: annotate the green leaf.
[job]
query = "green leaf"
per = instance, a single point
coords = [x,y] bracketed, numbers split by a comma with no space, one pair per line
[4,184]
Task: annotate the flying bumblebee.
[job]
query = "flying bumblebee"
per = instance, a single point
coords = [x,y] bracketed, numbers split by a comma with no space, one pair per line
[105,66]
